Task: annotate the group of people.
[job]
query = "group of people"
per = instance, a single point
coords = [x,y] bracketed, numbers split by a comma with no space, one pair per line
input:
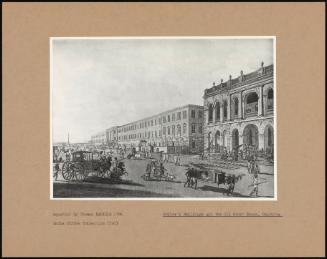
[111,163]
[155,168]
[167,158]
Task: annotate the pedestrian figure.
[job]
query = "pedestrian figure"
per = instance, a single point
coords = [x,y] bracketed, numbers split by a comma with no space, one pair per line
[230,184]
[255,185]
[148,170]
[162,169]
[178,162]
[56,171]
[115,163]
[109,162]
[175,160]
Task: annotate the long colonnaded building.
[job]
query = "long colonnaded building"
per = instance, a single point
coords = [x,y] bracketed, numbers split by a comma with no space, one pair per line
[240,111]
[179,130]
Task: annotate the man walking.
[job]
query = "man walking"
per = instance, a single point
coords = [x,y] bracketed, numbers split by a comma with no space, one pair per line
[56,171]
[255,185]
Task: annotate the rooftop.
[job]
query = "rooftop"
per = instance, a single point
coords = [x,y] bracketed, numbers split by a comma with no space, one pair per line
[241,80]
[161,113]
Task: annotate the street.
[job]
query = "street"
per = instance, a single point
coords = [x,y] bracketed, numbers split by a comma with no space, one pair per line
[134,186]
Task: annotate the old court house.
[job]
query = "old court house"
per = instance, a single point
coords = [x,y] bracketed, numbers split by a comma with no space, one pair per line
[240,111]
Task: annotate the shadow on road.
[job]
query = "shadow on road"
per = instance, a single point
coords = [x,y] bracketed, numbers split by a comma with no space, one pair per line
[95,179]
[220,190]
[82,190]
[265,173]
[158,180]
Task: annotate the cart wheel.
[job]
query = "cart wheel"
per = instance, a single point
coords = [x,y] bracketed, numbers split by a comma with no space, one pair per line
[80,172]
[101,172]
[106,174]
[67,171]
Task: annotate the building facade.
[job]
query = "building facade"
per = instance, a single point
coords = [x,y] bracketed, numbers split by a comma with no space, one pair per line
[112,137]
[99,138]
[240,111]
[179,130]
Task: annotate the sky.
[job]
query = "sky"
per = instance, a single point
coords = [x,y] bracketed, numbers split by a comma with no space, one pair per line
[100,83]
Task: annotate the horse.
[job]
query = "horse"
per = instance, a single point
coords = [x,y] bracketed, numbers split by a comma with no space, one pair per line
[229,180]
[192,176]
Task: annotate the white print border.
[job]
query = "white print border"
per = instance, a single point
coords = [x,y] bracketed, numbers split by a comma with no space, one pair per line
[163,38]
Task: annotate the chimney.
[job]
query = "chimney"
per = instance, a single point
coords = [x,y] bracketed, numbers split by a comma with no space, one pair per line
[214,84]
[241,78]
[221,82]
[230,80]
[262,68]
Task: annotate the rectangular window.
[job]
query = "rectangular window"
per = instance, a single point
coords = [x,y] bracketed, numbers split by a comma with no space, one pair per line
[193,113]
[184,128]
[184,114]
[200,129]
[168,118]
[179,115]
[164,119]
[173,117]
[200,114]
[193,144]
[193,128]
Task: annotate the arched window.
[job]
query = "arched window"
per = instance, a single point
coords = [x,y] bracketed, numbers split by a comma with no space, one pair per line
[235,106]
[217,140]
[209,141]
[217,111]
[225,110]
[168,130]
[270,134]
[251,104]
[210,111]
[270,99]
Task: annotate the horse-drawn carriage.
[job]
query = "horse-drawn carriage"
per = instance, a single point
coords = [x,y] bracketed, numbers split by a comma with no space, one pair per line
[156,172]
[83,163]
[193,174]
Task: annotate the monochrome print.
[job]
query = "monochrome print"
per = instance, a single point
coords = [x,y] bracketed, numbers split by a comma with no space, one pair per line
[163,118]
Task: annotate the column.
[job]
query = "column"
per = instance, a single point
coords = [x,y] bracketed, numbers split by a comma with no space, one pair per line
[261,143]
[264,104]
[240,138]
[260,102]
[239,115]
[229,108]
[206,114]
[229,141]
[214,113]
[243,106]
